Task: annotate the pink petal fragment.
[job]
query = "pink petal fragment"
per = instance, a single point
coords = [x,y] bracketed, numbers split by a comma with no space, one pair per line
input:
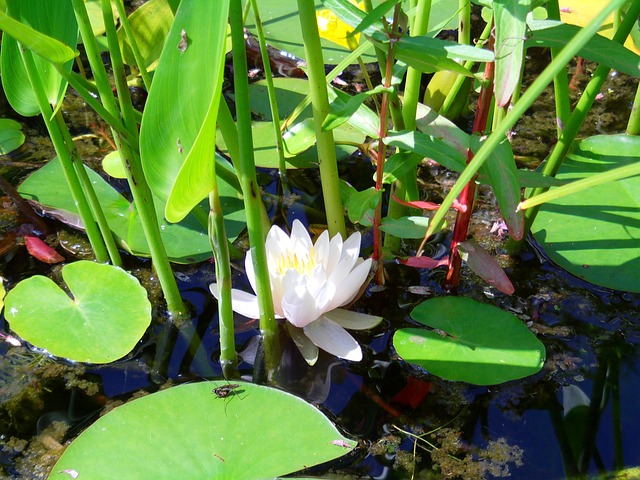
[424,262]
[40,250]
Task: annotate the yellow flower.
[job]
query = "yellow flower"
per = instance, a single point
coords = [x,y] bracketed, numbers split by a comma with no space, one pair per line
[335,30]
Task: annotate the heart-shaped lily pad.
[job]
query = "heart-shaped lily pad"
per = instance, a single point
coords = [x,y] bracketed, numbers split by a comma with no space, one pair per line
[474,342]
[205,430]
[106,316]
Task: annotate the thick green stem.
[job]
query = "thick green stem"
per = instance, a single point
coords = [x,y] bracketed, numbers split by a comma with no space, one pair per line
[87,187]
[245,166]
[146,79]
[220,245]
[59,144]
[633,127]
[527,99]
[560,81]
[320,106]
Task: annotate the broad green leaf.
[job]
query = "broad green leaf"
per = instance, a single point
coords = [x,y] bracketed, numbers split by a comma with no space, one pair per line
[185,242]
[399,165]
[405,227]
[299,138]
[106,316]
[50,30]
[595,233]
[430,147]
[428,121]
[150,23]
[364,119]
[177,135]
[189,432]
[598,49]
[510,28]
[471,342]
[502,173]
[11,136]
[112,165]
[94,12]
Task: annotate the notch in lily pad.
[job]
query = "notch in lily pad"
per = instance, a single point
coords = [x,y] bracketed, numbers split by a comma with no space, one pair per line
[470,342]
[107,314]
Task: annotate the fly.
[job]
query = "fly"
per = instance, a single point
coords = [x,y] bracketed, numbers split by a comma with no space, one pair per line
[225,391]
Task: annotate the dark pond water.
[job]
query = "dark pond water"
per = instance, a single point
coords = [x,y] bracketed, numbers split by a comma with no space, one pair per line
[411,424]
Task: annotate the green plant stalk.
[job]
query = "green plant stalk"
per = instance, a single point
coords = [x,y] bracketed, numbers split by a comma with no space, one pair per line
[220,246]
[633,126]
[583,184]
[146,79]
[245,166]
[271,91]
[572,127]
[320,105]
[560,81]
[464,22]
[519,108]
[59,144]
[92,198]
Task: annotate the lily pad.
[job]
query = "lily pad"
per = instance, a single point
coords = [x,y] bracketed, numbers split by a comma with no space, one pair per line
[472,342]
[11,136]
[595,233]
[103,320]
[190,431]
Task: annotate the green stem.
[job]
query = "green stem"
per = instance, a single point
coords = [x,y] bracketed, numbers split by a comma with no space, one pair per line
[245,166]
[320,105]
[519,109]
[142,196]
[60,146]
[146,79]
[464,22]
[271,91]
[90,193]
[219,244]
[633,127]
[560,81]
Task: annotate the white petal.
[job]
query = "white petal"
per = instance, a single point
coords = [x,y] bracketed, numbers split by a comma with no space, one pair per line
[248,268]
[307,348]
[277,241]
[321,249]
[351,247]
[335,253]
[242,302]
[352,320]
[300,235]
[350,286]
[332,338]
[298,305]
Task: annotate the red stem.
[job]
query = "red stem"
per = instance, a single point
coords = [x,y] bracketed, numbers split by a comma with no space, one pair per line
[463,218]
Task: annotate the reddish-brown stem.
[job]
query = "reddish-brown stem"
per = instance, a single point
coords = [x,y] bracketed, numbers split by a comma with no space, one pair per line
[382,152]
[463,218]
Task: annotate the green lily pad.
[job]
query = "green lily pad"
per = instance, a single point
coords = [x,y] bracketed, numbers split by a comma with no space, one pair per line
[102,322]
[191,432]
[473,342]
[185,242]
[595,233]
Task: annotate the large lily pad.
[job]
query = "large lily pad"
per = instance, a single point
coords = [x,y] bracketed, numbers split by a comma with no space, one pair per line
[472,342]
[106,316]
[191,432]
[185,242]
[595,233]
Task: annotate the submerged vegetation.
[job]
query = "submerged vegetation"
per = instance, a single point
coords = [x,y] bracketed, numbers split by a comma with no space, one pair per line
[184,186]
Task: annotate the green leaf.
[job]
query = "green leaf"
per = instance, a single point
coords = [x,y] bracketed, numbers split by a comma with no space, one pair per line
[185,242]
[177,135]
[405,227]
[150,23]
[473,342]
[145,438]
[430,147]
[362,202]
[598,49]
[399,165]
[102,322]
[300,137]
[501,170]
[48,29]
[340,112]
[365,120]
[595,233]
[11,136]
[510,28]
[429,55]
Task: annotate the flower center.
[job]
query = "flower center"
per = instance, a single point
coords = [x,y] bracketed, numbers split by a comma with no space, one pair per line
[302,262]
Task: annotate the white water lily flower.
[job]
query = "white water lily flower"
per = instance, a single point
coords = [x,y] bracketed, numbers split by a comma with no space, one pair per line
[309,283]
